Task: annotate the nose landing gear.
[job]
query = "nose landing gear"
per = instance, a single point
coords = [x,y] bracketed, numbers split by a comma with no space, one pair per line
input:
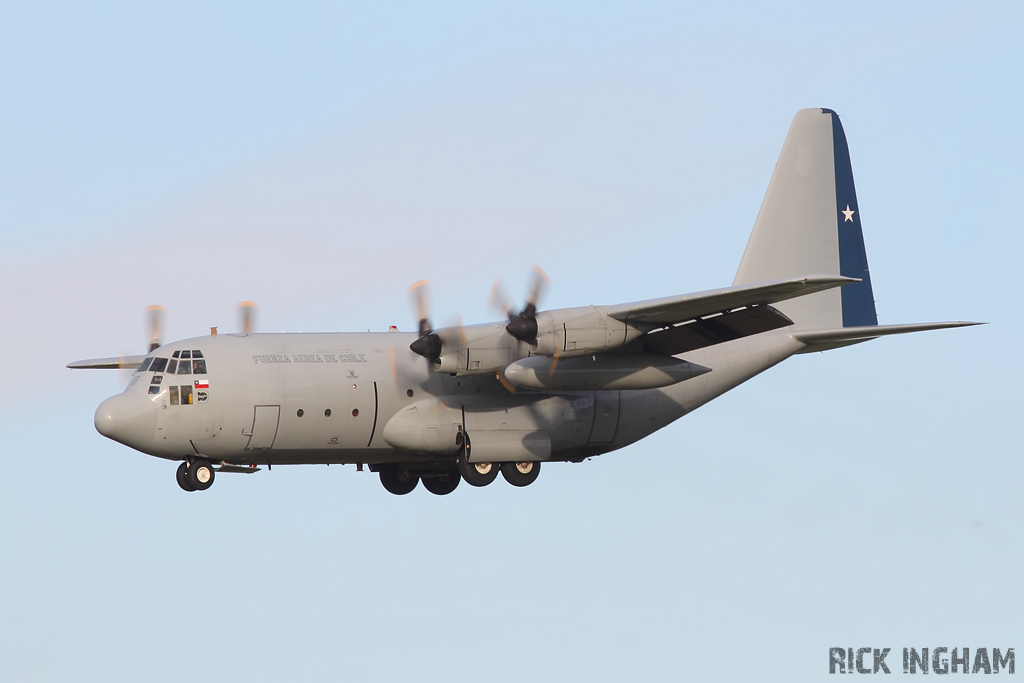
[195,476]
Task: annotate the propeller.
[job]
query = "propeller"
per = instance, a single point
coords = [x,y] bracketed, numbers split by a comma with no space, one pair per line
[156,324]
[247,316]
[429,344]
[522,325]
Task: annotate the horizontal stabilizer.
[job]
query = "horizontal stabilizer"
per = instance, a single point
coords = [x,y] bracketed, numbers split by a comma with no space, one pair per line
[822,340]
[674,309]
[126,362]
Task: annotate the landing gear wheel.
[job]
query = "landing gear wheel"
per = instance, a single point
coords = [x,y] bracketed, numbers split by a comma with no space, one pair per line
[444,484]
[200,475]
[477,473]
[182,476]
[520,473]
[397,480]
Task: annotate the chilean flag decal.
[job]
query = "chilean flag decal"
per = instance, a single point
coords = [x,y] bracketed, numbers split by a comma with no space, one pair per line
[202,384]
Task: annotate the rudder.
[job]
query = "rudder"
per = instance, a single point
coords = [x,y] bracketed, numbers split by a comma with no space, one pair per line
[809,224]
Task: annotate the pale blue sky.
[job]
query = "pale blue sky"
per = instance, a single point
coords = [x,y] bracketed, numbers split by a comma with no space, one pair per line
[319,158]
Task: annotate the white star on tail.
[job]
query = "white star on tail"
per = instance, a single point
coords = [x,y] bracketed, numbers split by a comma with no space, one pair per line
[848,213]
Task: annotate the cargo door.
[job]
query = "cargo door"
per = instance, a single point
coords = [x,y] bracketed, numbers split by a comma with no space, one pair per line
[264,428]
[606,416]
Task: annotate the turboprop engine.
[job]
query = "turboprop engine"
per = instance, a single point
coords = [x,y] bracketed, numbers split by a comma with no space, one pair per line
[486,349]
[489,348]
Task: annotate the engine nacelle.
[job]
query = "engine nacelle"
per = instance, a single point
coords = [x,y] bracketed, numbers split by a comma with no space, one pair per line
[604,371]
[486,349]
[579,331]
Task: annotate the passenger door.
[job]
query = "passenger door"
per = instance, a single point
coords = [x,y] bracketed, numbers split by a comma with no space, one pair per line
[264,428]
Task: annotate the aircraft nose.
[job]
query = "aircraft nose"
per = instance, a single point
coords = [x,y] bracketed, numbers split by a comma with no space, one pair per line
[129,419]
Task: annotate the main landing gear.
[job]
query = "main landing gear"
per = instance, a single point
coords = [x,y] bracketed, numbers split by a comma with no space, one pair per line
[477,473]
[195,476]
[520,473]
[400,480]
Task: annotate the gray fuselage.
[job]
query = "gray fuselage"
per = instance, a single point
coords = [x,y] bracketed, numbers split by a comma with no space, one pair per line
[328,398]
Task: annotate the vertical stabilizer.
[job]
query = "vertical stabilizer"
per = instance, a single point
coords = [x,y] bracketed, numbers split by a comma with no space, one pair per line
[809,224]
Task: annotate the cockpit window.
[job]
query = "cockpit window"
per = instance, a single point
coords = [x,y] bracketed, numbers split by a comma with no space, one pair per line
[172,365]
[186,395]
[159,365]
[185,367]
[154,389]
[174,396]
[145,365]
[197,354]
[199,367]
[186,354]
[157,379]
[175,354]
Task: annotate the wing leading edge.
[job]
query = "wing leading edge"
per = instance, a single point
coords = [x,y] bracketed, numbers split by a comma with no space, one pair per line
[126,362]
[675,309]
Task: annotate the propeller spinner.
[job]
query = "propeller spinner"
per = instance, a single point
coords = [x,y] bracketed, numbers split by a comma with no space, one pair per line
[429,344]
[522,325]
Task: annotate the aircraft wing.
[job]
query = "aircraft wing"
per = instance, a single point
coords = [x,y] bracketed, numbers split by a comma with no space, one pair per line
[128,362]
[675,309]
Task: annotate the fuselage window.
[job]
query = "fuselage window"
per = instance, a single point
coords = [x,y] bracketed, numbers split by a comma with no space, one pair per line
[185,368]
[145,364]
[159,365]
[186,354]
[175,354]
[154,390]
[157,379]
[186,395]
[172,367]
[199,367]
[174,396]
[197,354]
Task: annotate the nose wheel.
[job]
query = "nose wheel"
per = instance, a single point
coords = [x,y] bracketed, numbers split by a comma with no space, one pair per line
[197,476]
[182,476]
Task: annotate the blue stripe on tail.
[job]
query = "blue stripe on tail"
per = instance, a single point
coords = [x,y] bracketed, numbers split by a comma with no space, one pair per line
[858,299]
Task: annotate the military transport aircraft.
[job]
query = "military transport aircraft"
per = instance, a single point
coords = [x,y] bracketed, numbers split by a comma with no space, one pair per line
[464,403]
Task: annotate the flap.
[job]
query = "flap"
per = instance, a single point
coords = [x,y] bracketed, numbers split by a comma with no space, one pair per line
[696,334]
[674,309]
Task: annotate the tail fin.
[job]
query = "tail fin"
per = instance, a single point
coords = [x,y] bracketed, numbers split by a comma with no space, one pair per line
[809,223]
